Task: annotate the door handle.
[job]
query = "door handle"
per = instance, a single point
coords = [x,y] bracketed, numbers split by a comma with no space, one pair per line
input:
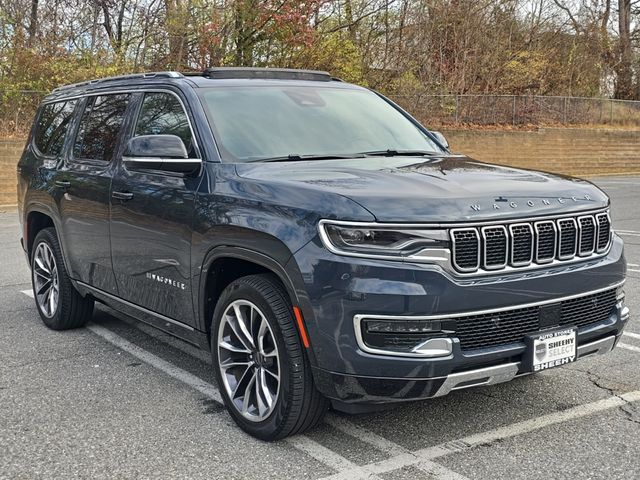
[62,184]
[122,195]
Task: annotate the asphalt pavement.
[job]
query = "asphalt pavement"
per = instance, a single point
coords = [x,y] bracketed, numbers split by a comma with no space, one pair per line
[119,399]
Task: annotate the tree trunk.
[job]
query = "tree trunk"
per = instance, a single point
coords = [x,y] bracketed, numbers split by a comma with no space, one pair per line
[33,23]
[624,72]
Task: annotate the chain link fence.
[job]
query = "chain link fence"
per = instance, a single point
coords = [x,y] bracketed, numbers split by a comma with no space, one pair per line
[18,107]
[437,110]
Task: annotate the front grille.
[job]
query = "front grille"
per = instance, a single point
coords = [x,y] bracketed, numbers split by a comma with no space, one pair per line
[495,247]
[510,326]
[545,241]
[604,231]
[466,247]
[568,231]
[586,245]
[521,244]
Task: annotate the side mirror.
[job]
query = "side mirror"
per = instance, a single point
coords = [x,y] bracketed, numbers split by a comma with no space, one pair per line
[159,152]
[441,138]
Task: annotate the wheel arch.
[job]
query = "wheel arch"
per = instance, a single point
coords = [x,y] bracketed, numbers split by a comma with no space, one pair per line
[38,216]
[246,261]
[35,222]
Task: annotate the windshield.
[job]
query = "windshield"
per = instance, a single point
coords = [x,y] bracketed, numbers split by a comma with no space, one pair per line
[263,122]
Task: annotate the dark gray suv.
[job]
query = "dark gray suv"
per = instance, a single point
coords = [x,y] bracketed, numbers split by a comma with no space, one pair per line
[326,247]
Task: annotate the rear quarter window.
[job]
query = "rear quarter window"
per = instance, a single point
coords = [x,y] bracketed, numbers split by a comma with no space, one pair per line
[52,125]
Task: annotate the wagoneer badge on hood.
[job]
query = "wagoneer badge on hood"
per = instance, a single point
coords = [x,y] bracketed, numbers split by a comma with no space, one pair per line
[529,203]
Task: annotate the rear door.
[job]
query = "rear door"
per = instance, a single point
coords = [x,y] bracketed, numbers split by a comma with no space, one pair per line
[152,217]
[83,184]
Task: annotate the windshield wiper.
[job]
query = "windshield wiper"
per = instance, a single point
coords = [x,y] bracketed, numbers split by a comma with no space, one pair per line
[401,153]
[296,158]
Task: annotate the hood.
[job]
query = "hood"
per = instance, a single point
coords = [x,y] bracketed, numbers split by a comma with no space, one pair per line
[447,189]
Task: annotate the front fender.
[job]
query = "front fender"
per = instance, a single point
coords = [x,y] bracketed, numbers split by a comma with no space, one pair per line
[255,247]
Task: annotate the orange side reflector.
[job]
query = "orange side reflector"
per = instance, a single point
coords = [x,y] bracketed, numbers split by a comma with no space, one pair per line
[303,332]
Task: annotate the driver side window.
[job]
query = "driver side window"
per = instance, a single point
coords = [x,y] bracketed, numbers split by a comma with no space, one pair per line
[162,114]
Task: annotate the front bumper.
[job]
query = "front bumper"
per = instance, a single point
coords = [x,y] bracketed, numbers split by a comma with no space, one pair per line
[339,289]
[361,394]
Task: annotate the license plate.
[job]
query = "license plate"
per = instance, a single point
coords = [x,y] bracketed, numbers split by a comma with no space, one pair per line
[550,349]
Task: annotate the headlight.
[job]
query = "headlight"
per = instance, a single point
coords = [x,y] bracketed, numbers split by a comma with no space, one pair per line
[379,240]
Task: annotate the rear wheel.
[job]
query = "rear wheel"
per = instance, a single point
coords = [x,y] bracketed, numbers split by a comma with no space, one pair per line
[59,304]
[263,372]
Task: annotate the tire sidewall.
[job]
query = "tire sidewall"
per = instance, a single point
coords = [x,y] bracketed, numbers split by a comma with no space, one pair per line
[269,427]
[45,237]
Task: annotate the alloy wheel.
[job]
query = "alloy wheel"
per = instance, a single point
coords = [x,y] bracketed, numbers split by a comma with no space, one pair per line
[45,280]
[248,360]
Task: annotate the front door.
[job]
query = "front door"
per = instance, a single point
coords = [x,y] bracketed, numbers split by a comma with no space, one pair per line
[152,216]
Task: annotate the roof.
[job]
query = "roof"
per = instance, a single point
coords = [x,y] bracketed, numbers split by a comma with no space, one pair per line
[216,76]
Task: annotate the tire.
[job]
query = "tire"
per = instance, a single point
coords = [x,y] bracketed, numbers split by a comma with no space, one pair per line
[59,304]
[296,404]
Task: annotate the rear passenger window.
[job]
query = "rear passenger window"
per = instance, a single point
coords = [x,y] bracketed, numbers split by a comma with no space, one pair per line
[53,123]
[162,114]
[100,126]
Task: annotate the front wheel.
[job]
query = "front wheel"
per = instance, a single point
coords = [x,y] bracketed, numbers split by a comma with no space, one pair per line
[263,372]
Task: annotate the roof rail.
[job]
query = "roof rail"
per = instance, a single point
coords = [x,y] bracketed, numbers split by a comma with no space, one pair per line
[221,73]
[120,77]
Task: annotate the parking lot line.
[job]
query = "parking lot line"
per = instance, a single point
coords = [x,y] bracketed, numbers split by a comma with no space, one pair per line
[185,377]
[302,443]
[401,454]
[321,453]
[632,335]
[490,436]
[28,293]
[626,346]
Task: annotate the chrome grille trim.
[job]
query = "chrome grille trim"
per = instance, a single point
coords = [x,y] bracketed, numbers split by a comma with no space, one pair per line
[578,237]
[561,238]
[520,263]
[454,242]
[581,235]
[485,262]
[603,239]
[537,226]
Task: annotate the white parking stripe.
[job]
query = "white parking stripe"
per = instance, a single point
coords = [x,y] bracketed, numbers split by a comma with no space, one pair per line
[434,470]
[366,436]
[490,436]
[185,377]
[632,265]
[626,346]
[633,270]
[304,444]
[322,454]
[28,293]
[630,234]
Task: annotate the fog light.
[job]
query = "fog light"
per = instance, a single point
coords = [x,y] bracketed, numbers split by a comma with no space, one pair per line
[405,337]
[408,326]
